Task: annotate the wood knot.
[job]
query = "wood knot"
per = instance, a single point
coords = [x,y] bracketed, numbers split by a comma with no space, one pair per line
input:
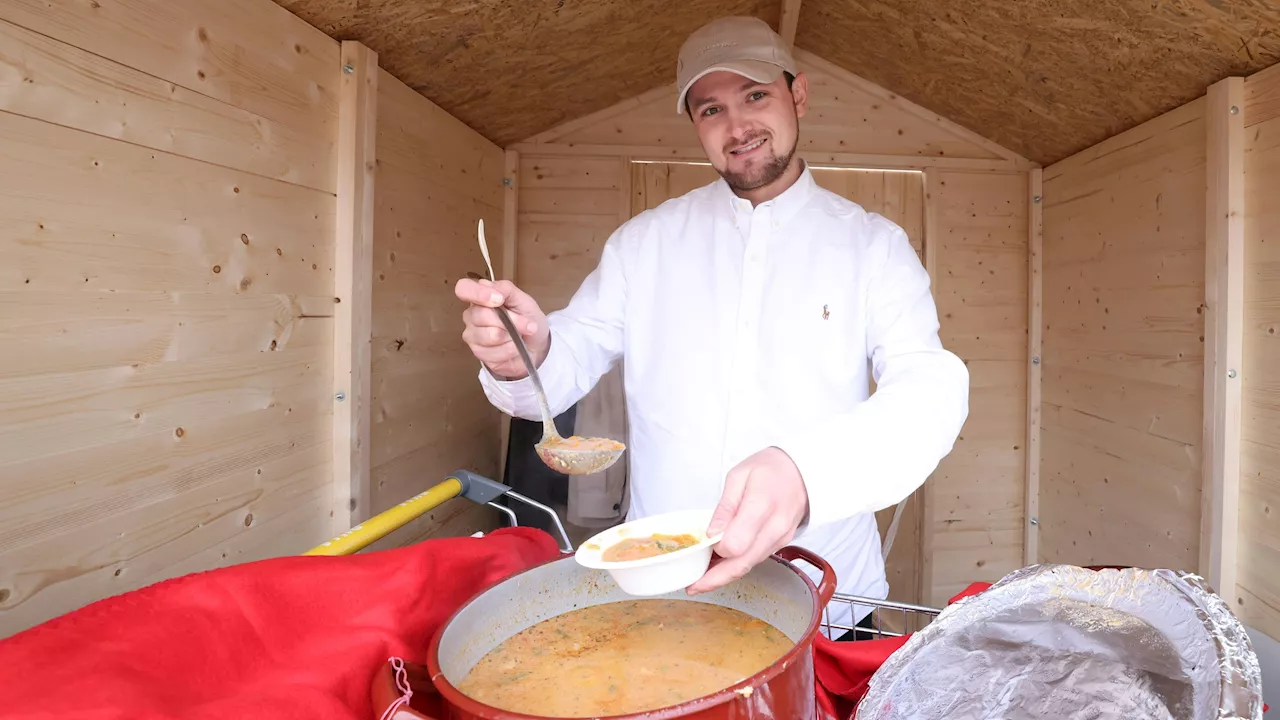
[399,344]
[179,432]
[279,252]
[248,520]
[217,269]
[5,593]
[200,74]
[273,344]
[245,283]
[244,238]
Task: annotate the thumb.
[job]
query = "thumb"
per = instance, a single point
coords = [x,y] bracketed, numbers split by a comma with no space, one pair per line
[734,484]
[521,305]
[513,298]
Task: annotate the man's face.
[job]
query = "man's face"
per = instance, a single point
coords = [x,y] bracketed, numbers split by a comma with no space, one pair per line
[748,130]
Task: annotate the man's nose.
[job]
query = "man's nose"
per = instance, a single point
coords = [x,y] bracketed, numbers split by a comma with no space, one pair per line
[740,126]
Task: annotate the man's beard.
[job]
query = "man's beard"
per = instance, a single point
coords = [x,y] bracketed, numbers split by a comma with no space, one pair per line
[759,175]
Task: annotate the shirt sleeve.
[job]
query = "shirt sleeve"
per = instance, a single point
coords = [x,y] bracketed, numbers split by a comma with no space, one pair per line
[586,340]
[879,453]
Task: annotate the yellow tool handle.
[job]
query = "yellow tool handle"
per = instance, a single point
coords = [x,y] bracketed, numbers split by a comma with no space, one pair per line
[389,520]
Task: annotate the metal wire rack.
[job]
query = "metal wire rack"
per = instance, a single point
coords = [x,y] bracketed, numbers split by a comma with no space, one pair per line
[888,617]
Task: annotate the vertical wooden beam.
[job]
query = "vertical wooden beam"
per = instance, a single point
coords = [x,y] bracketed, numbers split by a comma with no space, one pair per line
[353,284]
[932,247]
[790,21]
[624,201]
[1224,335]
[510,232]
[1035,328]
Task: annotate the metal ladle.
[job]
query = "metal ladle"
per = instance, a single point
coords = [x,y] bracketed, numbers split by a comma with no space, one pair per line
[571,456]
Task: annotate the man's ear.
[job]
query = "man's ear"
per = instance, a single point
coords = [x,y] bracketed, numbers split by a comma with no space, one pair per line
[800,94]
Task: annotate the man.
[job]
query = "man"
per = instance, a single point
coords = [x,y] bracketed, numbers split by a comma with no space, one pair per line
[746,312]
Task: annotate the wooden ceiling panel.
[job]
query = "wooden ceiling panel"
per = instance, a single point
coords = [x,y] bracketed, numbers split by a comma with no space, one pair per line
[512,68]
[1046,78]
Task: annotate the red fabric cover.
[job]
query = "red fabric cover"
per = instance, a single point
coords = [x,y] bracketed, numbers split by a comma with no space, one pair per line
[293,637]
[843,669]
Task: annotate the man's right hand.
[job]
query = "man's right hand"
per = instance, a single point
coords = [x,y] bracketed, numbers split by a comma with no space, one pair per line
[488,338]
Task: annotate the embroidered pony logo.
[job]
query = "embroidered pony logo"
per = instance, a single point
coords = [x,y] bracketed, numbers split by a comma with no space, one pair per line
[825,312]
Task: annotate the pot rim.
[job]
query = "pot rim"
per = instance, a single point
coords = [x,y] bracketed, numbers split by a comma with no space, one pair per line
[451,695]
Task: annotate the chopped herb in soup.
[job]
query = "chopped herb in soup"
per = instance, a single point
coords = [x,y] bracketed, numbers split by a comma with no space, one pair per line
[643,547]
[624,657]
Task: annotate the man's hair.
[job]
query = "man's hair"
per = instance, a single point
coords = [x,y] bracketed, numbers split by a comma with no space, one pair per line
[790,79]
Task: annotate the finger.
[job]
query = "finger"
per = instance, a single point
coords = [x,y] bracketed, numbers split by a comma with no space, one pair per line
[774,534]
[488,317]
[485,337]
[471,291]
[516,299]
[735,482]
[743,530]
[719,575]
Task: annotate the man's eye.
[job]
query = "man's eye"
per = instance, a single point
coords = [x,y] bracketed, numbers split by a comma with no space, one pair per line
[757,95]
[709,111]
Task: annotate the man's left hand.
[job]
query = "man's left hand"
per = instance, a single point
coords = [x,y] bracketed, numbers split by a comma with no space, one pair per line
[763,503]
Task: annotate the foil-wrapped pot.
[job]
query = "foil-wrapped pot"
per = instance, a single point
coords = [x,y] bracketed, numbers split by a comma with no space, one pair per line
[1058,641]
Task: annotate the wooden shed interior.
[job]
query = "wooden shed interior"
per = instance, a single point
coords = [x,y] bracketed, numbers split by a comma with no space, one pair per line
[231,232]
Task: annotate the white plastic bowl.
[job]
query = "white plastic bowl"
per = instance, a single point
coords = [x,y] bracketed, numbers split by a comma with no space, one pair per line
[660,574]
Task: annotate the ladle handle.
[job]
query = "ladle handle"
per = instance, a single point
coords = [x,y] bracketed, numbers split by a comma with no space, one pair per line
[549,427]
[827,586]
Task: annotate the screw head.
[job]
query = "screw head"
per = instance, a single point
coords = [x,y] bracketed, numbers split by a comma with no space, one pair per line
[1035,361]
[341,396]
[348,68]
[1231,373]
[1035,199]
[1035,521]
[1235,110]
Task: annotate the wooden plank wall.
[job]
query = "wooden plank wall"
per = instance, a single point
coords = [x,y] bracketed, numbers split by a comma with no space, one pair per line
[436,179]
[1124,274]
[976,502]
[166,293]
[1258,580]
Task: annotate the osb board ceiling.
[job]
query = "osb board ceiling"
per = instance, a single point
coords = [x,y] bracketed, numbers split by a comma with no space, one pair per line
[1045,78]
[513,68]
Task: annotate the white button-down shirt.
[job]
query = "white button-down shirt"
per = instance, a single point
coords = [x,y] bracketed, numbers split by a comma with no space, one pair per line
[742,328]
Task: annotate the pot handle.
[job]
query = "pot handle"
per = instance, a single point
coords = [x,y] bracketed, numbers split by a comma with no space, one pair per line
[827,586]
[387,689]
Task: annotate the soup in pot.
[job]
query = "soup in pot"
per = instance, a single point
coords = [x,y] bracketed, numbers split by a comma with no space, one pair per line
[624,657]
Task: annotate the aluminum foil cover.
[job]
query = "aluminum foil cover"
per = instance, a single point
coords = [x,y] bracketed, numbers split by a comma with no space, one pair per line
[1058,641]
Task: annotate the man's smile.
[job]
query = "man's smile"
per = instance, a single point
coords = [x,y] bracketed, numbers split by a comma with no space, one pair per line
[747,149]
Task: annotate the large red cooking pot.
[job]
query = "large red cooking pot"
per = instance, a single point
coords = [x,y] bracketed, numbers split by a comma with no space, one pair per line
[774,591]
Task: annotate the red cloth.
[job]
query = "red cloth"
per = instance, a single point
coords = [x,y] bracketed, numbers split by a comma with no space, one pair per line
[292,637]
[843,669]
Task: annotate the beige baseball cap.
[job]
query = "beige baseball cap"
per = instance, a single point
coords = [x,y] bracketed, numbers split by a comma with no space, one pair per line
[743,45]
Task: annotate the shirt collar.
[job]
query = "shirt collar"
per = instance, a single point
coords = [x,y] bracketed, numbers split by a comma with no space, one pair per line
[785,205]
